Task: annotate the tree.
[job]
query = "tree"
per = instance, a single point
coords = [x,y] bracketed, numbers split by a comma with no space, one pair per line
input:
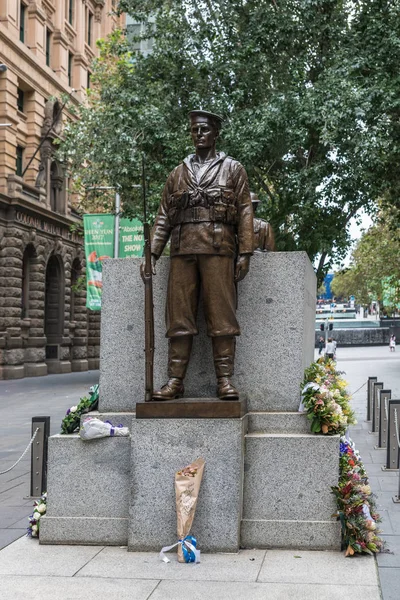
[290,79]
[375,268]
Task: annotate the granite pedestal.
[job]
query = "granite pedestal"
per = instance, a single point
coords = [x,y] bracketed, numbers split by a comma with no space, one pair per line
[160,447]
[267,480]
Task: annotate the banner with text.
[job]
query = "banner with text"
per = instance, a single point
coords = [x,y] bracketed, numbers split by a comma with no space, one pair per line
[131,238]
[99,245]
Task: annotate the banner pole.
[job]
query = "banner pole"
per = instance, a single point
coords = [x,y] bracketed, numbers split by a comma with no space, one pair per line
[116,224]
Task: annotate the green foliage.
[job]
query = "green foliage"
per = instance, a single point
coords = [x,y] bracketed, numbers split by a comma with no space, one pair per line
[375,262]
[71,421]
[299,86]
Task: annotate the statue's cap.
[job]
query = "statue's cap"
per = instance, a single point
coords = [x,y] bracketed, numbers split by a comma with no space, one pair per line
[205,113]
[254,198]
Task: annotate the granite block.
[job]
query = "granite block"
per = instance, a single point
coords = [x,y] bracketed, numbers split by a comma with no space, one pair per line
[204,590]
[307,535]
[318,568]
[160,447]
[86,479]
[26,557]
[276,312]
[118,563]
[278,422]
[91,531]
[16,588]
[289,477]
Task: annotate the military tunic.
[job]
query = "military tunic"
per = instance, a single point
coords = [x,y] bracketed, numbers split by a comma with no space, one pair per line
[206,212]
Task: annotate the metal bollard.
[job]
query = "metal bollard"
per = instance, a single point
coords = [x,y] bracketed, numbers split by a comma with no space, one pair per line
[392,450]
[371,380]
[39,456]
[384,397]
[377,386]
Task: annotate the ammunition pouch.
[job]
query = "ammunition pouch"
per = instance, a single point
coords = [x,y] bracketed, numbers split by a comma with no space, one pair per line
[218,208]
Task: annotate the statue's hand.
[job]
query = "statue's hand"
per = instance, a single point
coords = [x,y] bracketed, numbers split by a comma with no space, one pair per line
[153,266]
[242,267]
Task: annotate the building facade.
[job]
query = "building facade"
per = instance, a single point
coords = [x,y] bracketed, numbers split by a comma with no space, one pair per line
[46,49]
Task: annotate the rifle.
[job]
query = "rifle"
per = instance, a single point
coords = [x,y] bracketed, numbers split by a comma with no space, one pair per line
[148,300]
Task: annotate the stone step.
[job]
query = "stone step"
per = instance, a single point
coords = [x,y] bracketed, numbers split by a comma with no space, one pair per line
[87,482]
[278,422]
[287,499]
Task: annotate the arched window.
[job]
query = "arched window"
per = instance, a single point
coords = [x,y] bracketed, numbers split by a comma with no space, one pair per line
[29,253]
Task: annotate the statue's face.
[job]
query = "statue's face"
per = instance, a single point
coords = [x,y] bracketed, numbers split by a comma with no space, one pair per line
[204,133]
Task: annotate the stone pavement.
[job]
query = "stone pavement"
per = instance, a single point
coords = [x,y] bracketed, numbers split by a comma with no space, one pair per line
[359,364]
[29,570]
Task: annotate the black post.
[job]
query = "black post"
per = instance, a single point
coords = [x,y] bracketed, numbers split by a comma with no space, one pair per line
[39,455]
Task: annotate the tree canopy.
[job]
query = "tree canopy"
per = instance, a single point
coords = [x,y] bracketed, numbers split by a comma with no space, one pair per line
[374,273]
[309,90]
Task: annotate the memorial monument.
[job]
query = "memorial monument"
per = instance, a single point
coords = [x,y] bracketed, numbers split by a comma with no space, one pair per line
[267,480]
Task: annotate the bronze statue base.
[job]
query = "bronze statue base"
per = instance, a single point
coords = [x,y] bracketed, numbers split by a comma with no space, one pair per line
[192,408]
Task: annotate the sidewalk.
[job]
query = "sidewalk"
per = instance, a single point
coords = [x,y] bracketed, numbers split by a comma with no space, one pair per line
[30,571]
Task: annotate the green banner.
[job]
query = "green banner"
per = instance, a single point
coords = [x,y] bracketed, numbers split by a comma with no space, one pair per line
[99,245]
[131,238]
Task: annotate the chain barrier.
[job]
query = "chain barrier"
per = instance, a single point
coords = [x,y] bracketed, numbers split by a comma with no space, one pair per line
[23,454]
[360,388]
[396,426]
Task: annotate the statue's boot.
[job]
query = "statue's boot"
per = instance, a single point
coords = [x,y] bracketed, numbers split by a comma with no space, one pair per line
[179,350]
[224,356]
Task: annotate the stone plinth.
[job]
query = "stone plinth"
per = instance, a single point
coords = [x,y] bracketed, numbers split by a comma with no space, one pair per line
[287,500]
[160,447]
[88,491]
[276,312]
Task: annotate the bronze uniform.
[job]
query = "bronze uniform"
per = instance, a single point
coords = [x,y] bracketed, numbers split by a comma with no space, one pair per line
[264,238]
[206,212]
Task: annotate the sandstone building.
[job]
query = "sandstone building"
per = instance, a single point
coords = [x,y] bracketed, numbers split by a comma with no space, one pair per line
[46,48]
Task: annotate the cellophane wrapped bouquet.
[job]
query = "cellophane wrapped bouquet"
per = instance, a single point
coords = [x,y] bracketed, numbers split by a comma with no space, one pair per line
[187,487]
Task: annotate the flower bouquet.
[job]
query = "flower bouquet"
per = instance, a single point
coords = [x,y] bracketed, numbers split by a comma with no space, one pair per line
[187,487]
[356,504]
[40,507]
[72,419]
[325,399]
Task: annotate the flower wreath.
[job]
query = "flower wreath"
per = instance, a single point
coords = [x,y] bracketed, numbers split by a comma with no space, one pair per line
[40,507]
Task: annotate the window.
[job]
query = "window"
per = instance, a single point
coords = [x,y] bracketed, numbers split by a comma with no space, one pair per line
[90,29]
[48,47]
[19,160]
[22,14]
[88,80]
[20,100]
[70,63]
[70,11]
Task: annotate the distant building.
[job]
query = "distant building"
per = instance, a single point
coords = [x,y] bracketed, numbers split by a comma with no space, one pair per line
[135,30]
[46,48]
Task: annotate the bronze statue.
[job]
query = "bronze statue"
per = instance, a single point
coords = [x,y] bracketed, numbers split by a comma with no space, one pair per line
[264,237]
[207,214]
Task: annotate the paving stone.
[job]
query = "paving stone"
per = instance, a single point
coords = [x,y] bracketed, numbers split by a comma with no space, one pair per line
[117,562]
[391,558]
[70,588]
[7,536]
[390,578]
[13,514]
[204,590]
[318,568]
[27,557]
